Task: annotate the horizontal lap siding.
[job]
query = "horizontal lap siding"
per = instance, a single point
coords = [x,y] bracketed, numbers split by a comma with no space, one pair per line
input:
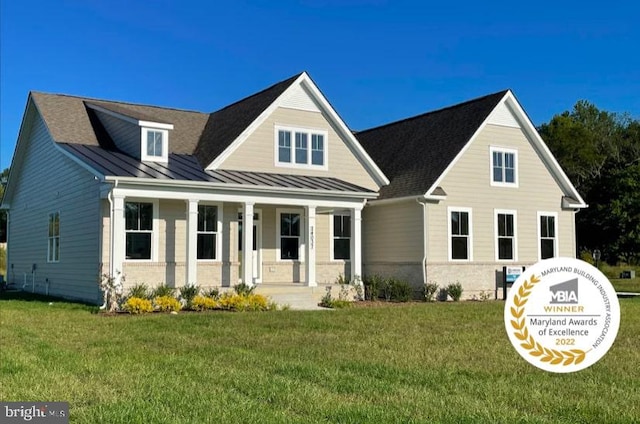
[468,185]
[258,152]
[125,134]
[48,182]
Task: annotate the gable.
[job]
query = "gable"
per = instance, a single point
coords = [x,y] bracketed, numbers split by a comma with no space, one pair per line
[300,99]
[502,115]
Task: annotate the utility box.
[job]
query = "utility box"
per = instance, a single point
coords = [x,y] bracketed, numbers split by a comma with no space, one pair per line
[628,274]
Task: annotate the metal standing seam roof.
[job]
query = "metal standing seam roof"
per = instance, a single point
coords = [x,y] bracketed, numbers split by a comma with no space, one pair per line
[187,168]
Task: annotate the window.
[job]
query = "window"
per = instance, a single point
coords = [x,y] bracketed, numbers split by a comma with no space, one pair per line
[308,148]
[547,222]
[503,167]
[207,231]
[342,237]
[155,145]
[289,235]
[138,229]
[506,235]
[460,234]
[53,249]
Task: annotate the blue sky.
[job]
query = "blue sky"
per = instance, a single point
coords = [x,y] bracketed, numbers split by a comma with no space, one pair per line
[376,61]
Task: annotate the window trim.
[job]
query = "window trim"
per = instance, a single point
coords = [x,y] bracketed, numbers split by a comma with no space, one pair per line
[503,150]
[310,132]
[53,259]
[556,243]
[332,237]
[301,238]
[218,233]
[165,145]
[451,209]
[513,213]
[155,224]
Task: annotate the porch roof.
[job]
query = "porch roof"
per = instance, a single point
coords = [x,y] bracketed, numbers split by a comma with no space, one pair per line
[182,167]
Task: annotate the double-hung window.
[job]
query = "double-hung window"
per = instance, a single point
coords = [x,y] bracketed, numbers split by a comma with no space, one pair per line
[547,226]
[296,147]
[504,167]
[138,229]
[289,236]
[155,143]
[342,237]
[460,245]
[207,231]
[505,235]
[53,249]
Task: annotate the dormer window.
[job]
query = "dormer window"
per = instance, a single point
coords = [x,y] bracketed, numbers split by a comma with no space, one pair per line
[155,144]
[300,148]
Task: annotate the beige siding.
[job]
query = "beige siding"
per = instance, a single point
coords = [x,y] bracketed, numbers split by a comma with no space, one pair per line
[48,181]
[257,153]
[468,185]
[125,135]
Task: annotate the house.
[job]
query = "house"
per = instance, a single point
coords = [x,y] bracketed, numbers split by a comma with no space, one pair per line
[473,188]
[162,195]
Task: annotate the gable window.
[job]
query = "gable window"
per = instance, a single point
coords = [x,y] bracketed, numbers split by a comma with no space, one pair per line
[53,249]
[207,231]
[289,236]
[341,237]
[505,235]
[504,167]
[547,231]
[155,145]
[460,234]
[296,147]
[138,229]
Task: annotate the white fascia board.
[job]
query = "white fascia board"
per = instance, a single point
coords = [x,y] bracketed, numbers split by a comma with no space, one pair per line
[131,120]
[534,136]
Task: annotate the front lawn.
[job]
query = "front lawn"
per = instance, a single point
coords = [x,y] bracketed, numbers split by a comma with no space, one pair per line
[440,362]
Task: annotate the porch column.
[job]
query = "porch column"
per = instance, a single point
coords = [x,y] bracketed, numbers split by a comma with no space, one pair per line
[310,247]
[356,243]
[247,243]
[191,274]
[118,237]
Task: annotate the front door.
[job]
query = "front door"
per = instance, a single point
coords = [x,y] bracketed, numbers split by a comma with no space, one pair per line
[257,246]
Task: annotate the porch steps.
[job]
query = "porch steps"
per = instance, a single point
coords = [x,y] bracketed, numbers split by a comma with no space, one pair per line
[296,296]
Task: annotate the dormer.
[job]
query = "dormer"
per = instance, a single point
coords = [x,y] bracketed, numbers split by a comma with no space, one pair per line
[136,134]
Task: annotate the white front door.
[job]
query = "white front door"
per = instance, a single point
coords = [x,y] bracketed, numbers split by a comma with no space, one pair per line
[257,245]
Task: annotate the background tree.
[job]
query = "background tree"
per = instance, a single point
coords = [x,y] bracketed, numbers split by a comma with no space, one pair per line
[600,152]
[3,214]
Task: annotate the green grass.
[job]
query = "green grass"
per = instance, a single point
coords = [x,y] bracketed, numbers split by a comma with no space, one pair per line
[438,362]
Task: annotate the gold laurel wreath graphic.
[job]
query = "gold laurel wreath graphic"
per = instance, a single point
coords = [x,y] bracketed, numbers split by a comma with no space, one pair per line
[553,356]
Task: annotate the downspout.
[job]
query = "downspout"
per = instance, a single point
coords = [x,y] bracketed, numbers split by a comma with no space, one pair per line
[111,230]
[424,240]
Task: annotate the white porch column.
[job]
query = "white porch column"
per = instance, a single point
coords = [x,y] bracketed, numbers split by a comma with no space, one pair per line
[356,243]
[118,237]
[247,243]
[191,275]
[310,247]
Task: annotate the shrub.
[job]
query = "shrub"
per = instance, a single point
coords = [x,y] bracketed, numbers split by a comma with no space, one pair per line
[325,301]
[201,303]
[455,291]
[188,292]
[340,304]
[257,302]
[137,305]
[372,286]
[166,303]
[400,290]
[342,279]
[358,287]
[163,290]
[243,289]
[443,295]
[430,290]
[139,290]
[213,293]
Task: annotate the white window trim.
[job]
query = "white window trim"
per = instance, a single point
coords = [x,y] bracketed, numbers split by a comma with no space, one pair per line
[165,145]
[155,230]
[331,236]
[49,259]
[301,245]
[470,237]
[309,132]
[218,233]
[555,225]
[514,213]
[503,150]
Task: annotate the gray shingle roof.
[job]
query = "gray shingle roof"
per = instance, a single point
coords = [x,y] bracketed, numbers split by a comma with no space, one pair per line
[415,151]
